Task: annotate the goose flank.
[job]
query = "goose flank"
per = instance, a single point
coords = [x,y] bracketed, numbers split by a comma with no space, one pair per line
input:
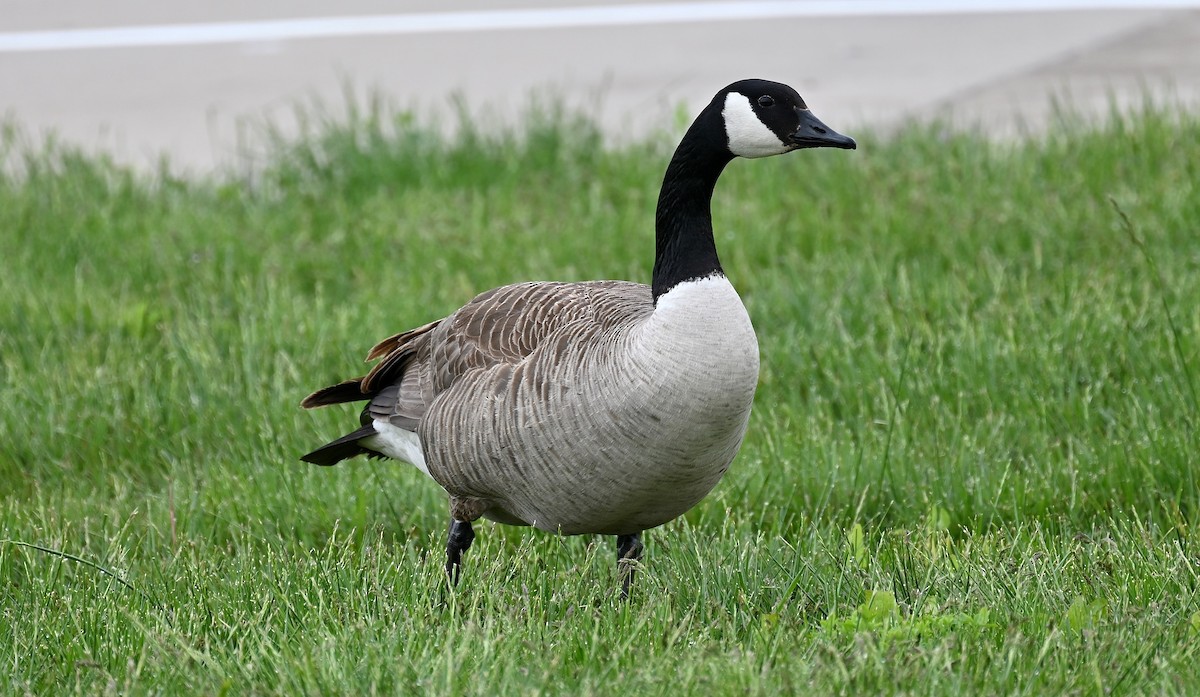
[602,407]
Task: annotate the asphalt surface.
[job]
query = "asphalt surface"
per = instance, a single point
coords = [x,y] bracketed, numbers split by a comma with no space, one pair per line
[202,101]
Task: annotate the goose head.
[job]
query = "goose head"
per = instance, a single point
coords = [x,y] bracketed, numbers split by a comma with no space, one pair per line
[764,118]
[750,118]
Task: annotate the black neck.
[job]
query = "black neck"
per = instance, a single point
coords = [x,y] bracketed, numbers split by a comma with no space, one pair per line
[685,249]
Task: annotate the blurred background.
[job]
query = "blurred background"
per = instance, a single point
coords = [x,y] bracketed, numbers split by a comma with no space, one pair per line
[972,463]
[195,81]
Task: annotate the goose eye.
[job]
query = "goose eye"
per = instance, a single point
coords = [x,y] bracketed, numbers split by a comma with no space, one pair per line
[766,100]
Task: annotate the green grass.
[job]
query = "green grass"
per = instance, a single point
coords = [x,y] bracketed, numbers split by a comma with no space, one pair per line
[973,467]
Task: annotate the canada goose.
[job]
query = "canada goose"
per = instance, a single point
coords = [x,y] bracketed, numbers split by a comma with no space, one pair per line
[604,407]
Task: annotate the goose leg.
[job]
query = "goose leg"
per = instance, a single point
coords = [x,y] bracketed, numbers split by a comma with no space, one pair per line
[629,552]
[458,541]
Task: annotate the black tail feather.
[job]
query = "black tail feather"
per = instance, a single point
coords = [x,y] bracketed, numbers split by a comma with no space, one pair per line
[343,448]
[345,391]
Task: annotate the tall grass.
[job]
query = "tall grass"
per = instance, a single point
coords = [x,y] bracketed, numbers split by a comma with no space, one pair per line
[972,464]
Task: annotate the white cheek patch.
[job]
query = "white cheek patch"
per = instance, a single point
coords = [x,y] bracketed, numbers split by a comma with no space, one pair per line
[748,136]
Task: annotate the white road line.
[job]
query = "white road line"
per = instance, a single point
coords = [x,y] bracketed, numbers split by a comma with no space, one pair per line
[542,18]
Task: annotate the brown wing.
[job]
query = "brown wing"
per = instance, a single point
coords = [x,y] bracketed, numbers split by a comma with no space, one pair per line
[507,324]
[500,326]
[503,325]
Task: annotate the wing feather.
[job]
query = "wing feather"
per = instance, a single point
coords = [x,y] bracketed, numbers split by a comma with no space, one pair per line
[501,326]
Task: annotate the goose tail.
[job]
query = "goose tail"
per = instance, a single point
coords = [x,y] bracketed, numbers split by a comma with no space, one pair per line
[345,391]
[343,448]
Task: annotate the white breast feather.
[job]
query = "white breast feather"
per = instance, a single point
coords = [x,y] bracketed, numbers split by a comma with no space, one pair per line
[703,323]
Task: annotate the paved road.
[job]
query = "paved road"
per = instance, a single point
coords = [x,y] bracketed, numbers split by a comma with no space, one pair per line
[176,83]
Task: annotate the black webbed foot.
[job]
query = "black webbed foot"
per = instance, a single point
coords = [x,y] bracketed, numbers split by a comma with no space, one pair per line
[629,552]
[457,541]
